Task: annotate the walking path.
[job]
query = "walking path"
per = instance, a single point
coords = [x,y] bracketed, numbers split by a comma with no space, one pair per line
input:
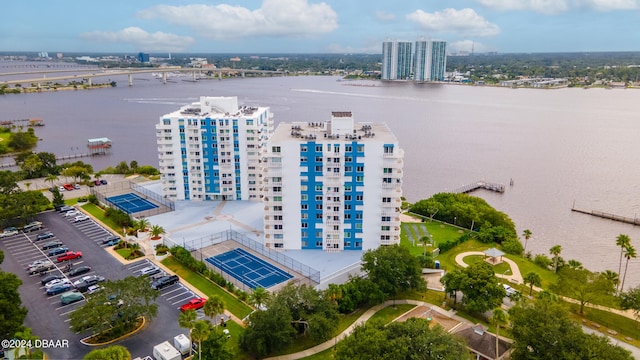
[361,320]
[515,276]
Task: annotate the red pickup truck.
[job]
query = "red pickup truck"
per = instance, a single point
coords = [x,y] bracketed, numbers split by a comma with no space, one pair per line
[68,187]
[70,255]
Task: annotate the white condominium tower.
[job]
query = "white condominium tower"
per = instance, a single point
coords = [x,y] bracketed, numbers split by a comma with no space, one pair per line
[429,60]
[396,60]
[334,185]
[210,150]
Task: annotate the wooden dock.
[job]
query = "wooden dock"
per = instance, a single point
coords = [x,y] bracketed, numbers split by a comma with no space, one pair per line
[604,215]
[59,158]
[480,185]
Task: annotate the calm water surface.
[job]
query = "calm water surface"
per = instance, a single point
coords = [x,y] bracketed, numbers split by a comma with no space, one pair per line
[558,146]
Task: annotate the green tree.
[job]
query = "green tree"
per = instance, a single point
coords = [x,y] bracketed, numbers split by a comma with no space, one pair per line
[425,240]
[393,269]
[51,178]
[413,339]
[532,279]
[555,251]
[119,305]
[21,141]
[499,318]
[32,166]
[629,253]
[216,347]
[8,182]
[527,235]
[214,306]
[201,331]
[479,285]
[58,198]
[27,335]
[583,285]
[260,296]
[113,352]
[12,313]
[268,331]
[630,300]
[187,319]
[142,224]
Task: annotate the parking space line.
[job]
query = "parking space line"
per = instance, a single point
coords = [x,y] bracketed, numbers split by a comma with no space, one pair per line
[175,296]
[164,294]
[70,311]
[191,296]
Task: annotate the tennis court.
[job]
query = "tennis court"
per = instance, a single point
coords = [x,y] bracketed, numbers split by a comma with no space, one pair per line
[131,203]
[249,269]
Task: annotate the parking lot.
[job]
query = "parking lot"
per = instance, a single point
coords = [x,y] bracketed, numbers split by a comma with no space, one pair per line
[49,318]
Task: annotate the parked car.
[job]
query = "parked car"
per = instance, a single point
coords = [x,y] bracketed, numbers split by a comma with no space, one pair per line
[57,289]
[94,289]
[163,281]
[510,291]
[148,271]
[193,304]
[52,244]
[80,218]
[68,187]
[51,278]
[38,262]
[45,235]
[103,182]
[65,208]
[32,226]
[70,297]
[83,283]
[69,256]
[62,188]
[110,239]
[58,251]
[79,270]
[76,186]
[40,268]
[53,283]
[8,233]
[73,212]
[97,183]
[113,242]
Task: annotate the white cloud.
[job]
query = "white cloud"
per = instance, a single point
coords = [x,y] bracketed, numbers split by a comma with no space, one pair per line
[385,16]
[286,18]
[142,40]
[559,6]
[463,22]
[542,6]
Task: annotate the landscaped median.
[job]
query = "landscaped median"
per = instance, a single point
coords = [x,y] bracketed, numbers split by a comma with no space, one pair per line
[208,287]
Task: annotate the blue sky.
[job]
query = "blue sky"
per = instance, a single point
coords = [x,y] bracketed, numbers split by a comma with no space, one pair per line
[315,26]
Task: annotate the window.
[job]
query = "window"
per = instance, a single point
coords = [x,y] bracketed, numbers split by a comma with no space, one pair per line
[303,148]
[388,170]
[359,168]
[275,149]
[304,206]
[304,197]
[347,198]
[358,197]
[348,148]
[360,148]
[383,228]
[318,148]
[386,218]
[318,206]
[386,199]
[304,225]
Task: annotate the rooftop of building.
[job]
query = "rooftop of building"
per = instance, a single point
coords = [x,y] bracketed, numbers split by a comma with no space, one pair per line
[322,131]
[215,106]
[193,220]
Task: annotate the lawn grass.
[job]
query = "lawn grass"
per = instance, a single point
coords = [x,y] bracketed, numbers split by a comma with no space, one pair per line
[439,232]
[235,331]
[98,213]
[124,252]
[323,355]
[389,313]
[624,326]
[208,287]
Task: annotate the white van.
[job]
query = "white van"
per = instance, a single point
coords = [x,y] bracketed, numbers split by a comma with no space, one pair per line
[148,271]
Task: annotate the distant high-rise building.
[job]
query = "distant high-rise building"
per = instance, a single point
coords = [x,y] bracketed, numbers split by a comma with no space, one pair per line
[143,57]
[335,185]
[210,150]
[430,60]
[396,60]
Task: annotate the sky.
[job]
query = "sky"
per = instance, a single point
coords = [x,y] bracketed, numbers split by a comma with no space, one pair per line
[316,26]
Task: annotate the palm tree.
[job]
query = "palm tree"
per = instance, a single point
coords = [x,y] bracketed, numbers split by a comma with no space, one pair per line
[156,231]
[555,251]
[424,240]
[499,318]
[623,241]
[201,331]
[51,178]
[142,224]
[258,297]
[25,335]
[612,276]
[134,248]
[629,253]
[533,279]
[575,264]
[527,235]
[214,306]
[187,320]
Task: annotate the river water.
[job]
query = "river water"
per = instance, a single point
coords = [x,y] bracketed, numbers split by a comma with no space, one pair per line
[560,147]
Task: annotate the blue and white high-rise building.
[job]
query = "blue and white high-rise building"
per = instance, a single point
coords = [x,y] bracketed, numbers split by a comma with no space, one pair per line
[334,185]
[396,60]
[210,150]
[429,60]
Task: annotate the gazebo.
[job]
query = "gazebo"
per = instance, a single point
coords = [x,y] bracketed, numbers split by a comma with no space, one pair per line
[494,256]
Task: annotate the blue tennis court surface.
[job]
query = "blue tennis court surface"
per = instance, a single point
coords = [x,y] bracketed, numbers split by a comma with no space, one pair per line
[131,203]
[249,269]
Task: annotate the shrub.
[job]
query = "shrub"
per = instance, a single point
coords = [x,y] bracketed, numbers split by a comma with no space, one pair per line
[512,246]
[93,199]
[543,261]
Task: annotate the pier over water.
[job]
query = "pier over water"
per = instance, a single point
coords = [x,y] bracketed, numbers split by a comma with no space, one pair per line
[480,185]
